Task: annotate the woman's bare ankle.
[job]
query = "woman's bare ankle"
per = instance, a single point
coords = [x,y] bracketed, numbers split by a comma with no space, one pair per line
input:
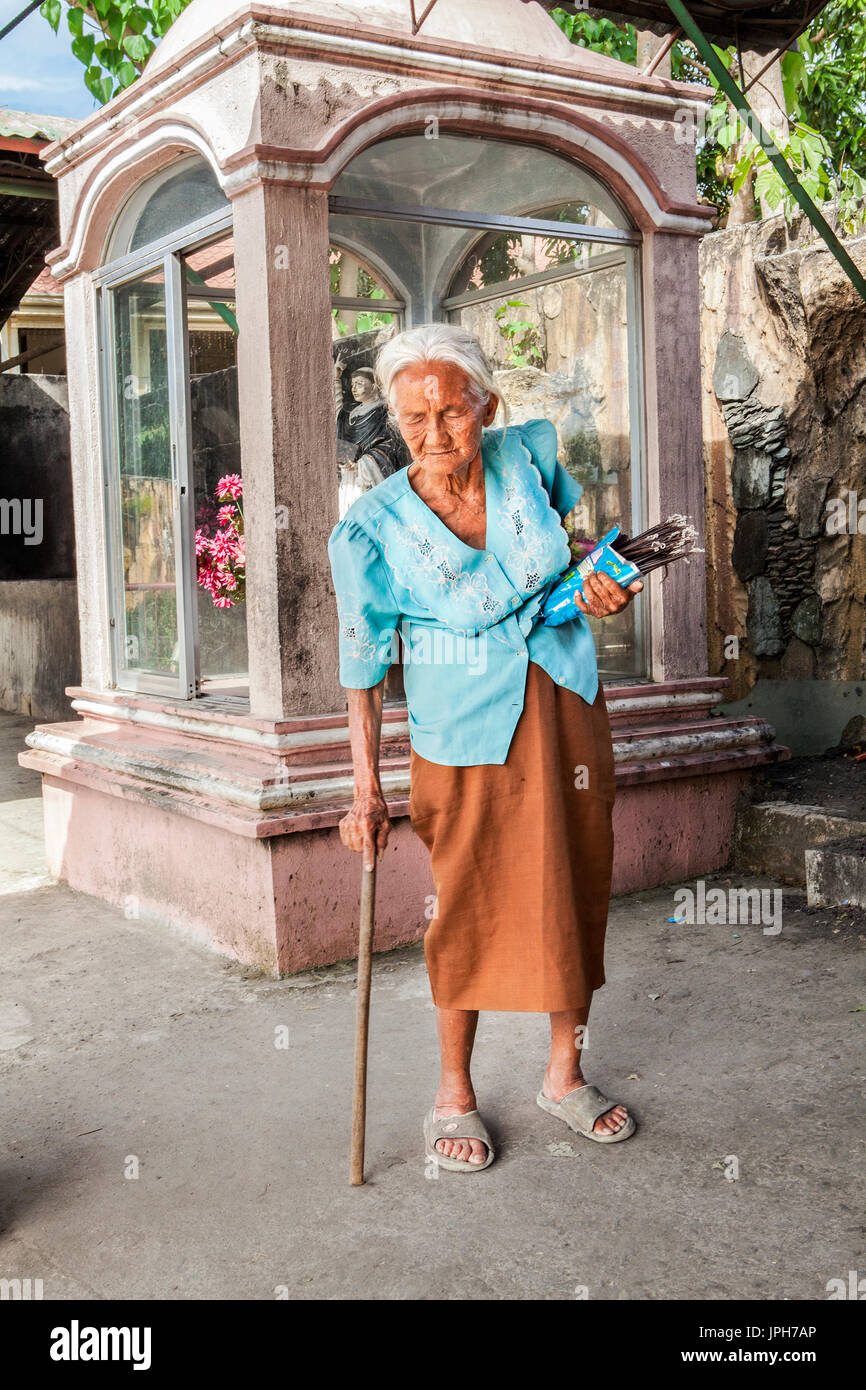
[560,1078]
[454,1097]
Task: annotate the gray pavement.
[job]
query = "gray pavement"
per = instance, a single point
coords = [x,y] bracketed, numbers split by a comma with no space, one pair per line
[124,1046]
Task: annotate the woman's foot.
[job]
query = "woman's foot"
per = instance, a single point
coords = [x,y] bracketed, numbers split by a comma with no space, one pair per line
[467,1150]
[556,1086]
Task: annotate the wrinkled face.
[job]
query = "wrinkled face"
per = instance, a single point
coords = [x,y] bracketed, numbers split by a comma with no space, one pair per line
[439,416]
[363,389]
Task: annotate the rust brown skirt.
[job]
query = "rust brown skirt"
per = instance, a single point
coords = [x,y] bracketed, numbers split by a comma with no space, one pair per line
[522,856]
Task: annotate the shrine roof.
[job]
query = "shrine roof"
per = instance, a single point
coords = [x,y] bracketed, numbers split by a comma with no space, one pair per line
[514,27]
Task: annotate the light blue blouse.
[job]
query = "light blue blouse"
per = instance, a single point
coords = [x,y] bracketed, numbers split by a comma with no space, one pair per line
[469,618]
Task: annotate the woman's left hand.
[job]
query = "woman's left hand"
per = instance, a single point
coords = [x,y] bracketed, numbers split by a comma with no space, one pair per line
[603,596]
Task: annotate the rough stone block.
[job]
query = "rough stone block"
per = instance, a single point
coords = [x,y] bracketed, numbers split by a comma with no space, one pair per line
[749,553]
[772,837]
[806,620]
[753,425]
[750,478]
[734,373]
[779,274]
[763,623]
[854,733]
[836,873]
[806,501]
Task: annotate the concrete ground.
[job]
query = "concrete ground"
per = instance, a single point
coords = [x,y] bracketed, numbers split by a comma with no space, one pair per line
[125,1047]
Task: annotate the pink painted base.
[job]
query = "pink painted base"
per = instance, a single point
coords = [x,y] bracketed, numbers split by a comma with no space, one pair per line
[665,831]
[286,903]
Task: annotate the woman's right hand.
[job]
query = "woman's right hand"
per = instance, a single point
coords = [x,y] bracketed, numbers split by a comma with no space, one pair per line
[366,827]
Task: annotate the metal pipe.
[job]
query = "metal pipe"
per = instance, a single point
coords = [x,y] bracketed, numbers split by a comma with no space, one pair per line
[416,23]
[32,353]
[13,23]
[28,188]
[452,217]
[662,53]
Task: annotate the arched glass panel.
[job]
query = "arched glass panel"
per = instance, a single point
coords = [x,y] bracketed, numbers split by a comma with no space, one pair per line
[180,199]
[467,174]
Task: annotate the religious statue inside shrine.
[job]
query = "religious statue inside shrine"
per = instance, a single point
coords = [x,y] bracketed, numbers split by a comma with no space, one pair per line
[369,449]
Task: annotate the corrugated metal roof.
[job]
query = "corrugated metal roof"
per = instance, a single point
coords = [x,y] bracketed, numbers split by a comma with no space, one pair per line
[25,125]
[753,23]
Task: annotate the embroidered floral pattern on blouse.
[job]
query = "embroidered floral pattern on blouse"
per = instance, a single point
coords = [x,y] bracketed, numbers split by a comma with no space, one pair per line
[439,564]
[355,630]
[537,552]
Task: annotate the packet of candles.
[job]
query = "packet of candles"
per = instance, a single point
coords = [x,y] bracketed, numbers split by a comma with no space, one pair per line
[673,539]
[559,606]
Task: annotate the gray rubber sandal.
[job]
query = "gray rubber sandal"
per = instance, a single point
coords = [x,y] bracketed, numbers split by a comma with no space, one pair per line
[468,1126]
[581,1108]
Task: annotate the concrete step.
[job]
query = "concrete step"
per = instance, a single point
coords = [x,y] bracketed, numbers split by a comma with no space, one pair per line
[836,873]
[772,837]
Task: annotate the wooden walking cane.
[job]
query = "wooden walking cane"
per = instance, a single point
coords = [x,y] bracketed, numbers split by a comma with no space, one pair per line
[362,1023]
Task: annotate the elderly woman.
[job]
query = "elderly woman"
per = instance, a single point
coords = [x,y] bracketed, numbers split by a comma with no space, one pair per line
[511,757]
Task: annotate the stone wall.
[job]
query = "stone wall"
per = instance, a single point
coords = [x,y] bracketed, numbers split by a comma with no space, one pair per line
[783,346]
[37,541]
[39,649]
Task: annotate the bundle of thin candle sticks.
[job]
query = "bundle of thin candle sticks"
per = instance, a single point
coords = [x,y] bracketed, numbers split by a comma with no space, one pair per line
[621,557]
[673,539]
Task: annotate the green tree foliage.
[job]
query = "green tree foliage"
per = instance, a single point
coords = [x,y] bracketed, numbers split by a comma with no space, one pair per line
[825,83]
[521,336]
[112,38]
[825,98]
[601,35]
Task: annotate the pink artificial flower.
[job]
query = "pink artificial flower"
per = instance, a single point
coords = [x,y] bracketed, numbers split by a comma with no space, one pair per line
[230,486]
[221,558]
[223,551]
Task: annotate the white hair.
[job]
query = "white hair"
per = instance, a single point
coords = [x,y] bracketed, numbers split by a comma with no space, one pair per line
[439,342]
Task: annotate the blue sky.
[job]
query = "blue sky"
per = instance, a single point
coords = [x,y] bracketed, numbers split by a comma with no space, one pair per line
[37,70]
